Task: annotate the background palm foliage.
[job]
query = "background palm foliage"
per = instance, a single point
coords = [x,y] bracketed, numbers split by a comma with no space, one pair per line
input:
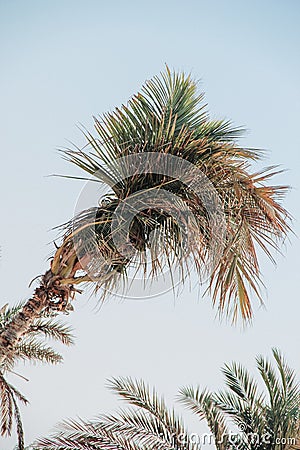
[168,117]
[148,424]
[267,420]
[273,413]
[31,347]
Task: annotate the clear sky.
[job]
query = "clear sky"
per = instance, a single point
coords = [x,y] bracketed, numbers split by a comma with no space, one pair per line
[62,62]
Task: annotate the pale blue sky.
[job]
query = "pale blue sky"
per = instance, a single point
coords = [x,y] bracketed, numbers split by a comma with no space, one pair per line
[62,62]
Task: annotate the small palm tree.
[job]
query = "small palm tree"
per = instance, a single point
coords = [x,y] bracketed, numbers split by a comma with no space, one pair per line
[265,420]
[31,347]
[166,121]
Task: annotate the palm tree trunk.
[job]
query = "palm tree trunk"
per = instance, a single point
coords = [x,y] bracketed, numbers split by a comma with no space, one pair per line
[33,308]
[56,288]
[53,294]
[21,323]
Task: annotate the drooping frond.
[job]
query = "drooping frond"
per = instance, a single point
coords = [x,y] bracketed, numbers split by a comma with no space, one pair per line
[9,409]
[19,425]
[175,173]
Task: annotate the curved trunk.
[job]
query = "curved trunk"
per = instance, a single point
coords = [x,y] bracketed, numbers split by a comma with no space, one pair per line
[52,295]
[56,288]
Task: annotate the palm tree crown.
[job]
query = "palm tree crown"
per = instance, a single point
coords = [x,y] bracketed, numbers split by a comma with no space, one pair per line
[168,166]
[168,121]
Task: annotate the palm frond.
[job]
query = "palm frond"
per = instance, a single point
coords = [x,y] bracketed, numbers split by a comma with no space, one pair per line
[6,408]
[33,350]
[8,312]
[265,422]
[147,426]
[31,346]
[9,409]
[80,435]
[139,394]
[140,427]
[202,403]
[240,382]
[53,329]
[283,412]
[19,424]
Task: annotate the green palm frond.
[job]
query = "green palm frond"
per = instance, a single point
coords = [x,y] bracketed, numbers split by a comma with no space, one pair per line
[8,312]
[168,117]
[240,382]
[140,395]
[265,422]
[284,396]
[202,403]
[248,418]
[34,350]
[53,329]
[277,415]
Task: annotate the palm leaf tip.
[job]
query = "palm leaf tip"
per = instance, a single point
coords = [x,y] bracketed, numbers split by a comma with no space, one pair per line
[168,118]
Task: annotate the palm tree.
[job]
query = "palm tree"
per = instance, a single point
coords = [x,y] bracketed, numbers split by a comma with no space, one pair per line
[267,420]
[31,347]
[165,126]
